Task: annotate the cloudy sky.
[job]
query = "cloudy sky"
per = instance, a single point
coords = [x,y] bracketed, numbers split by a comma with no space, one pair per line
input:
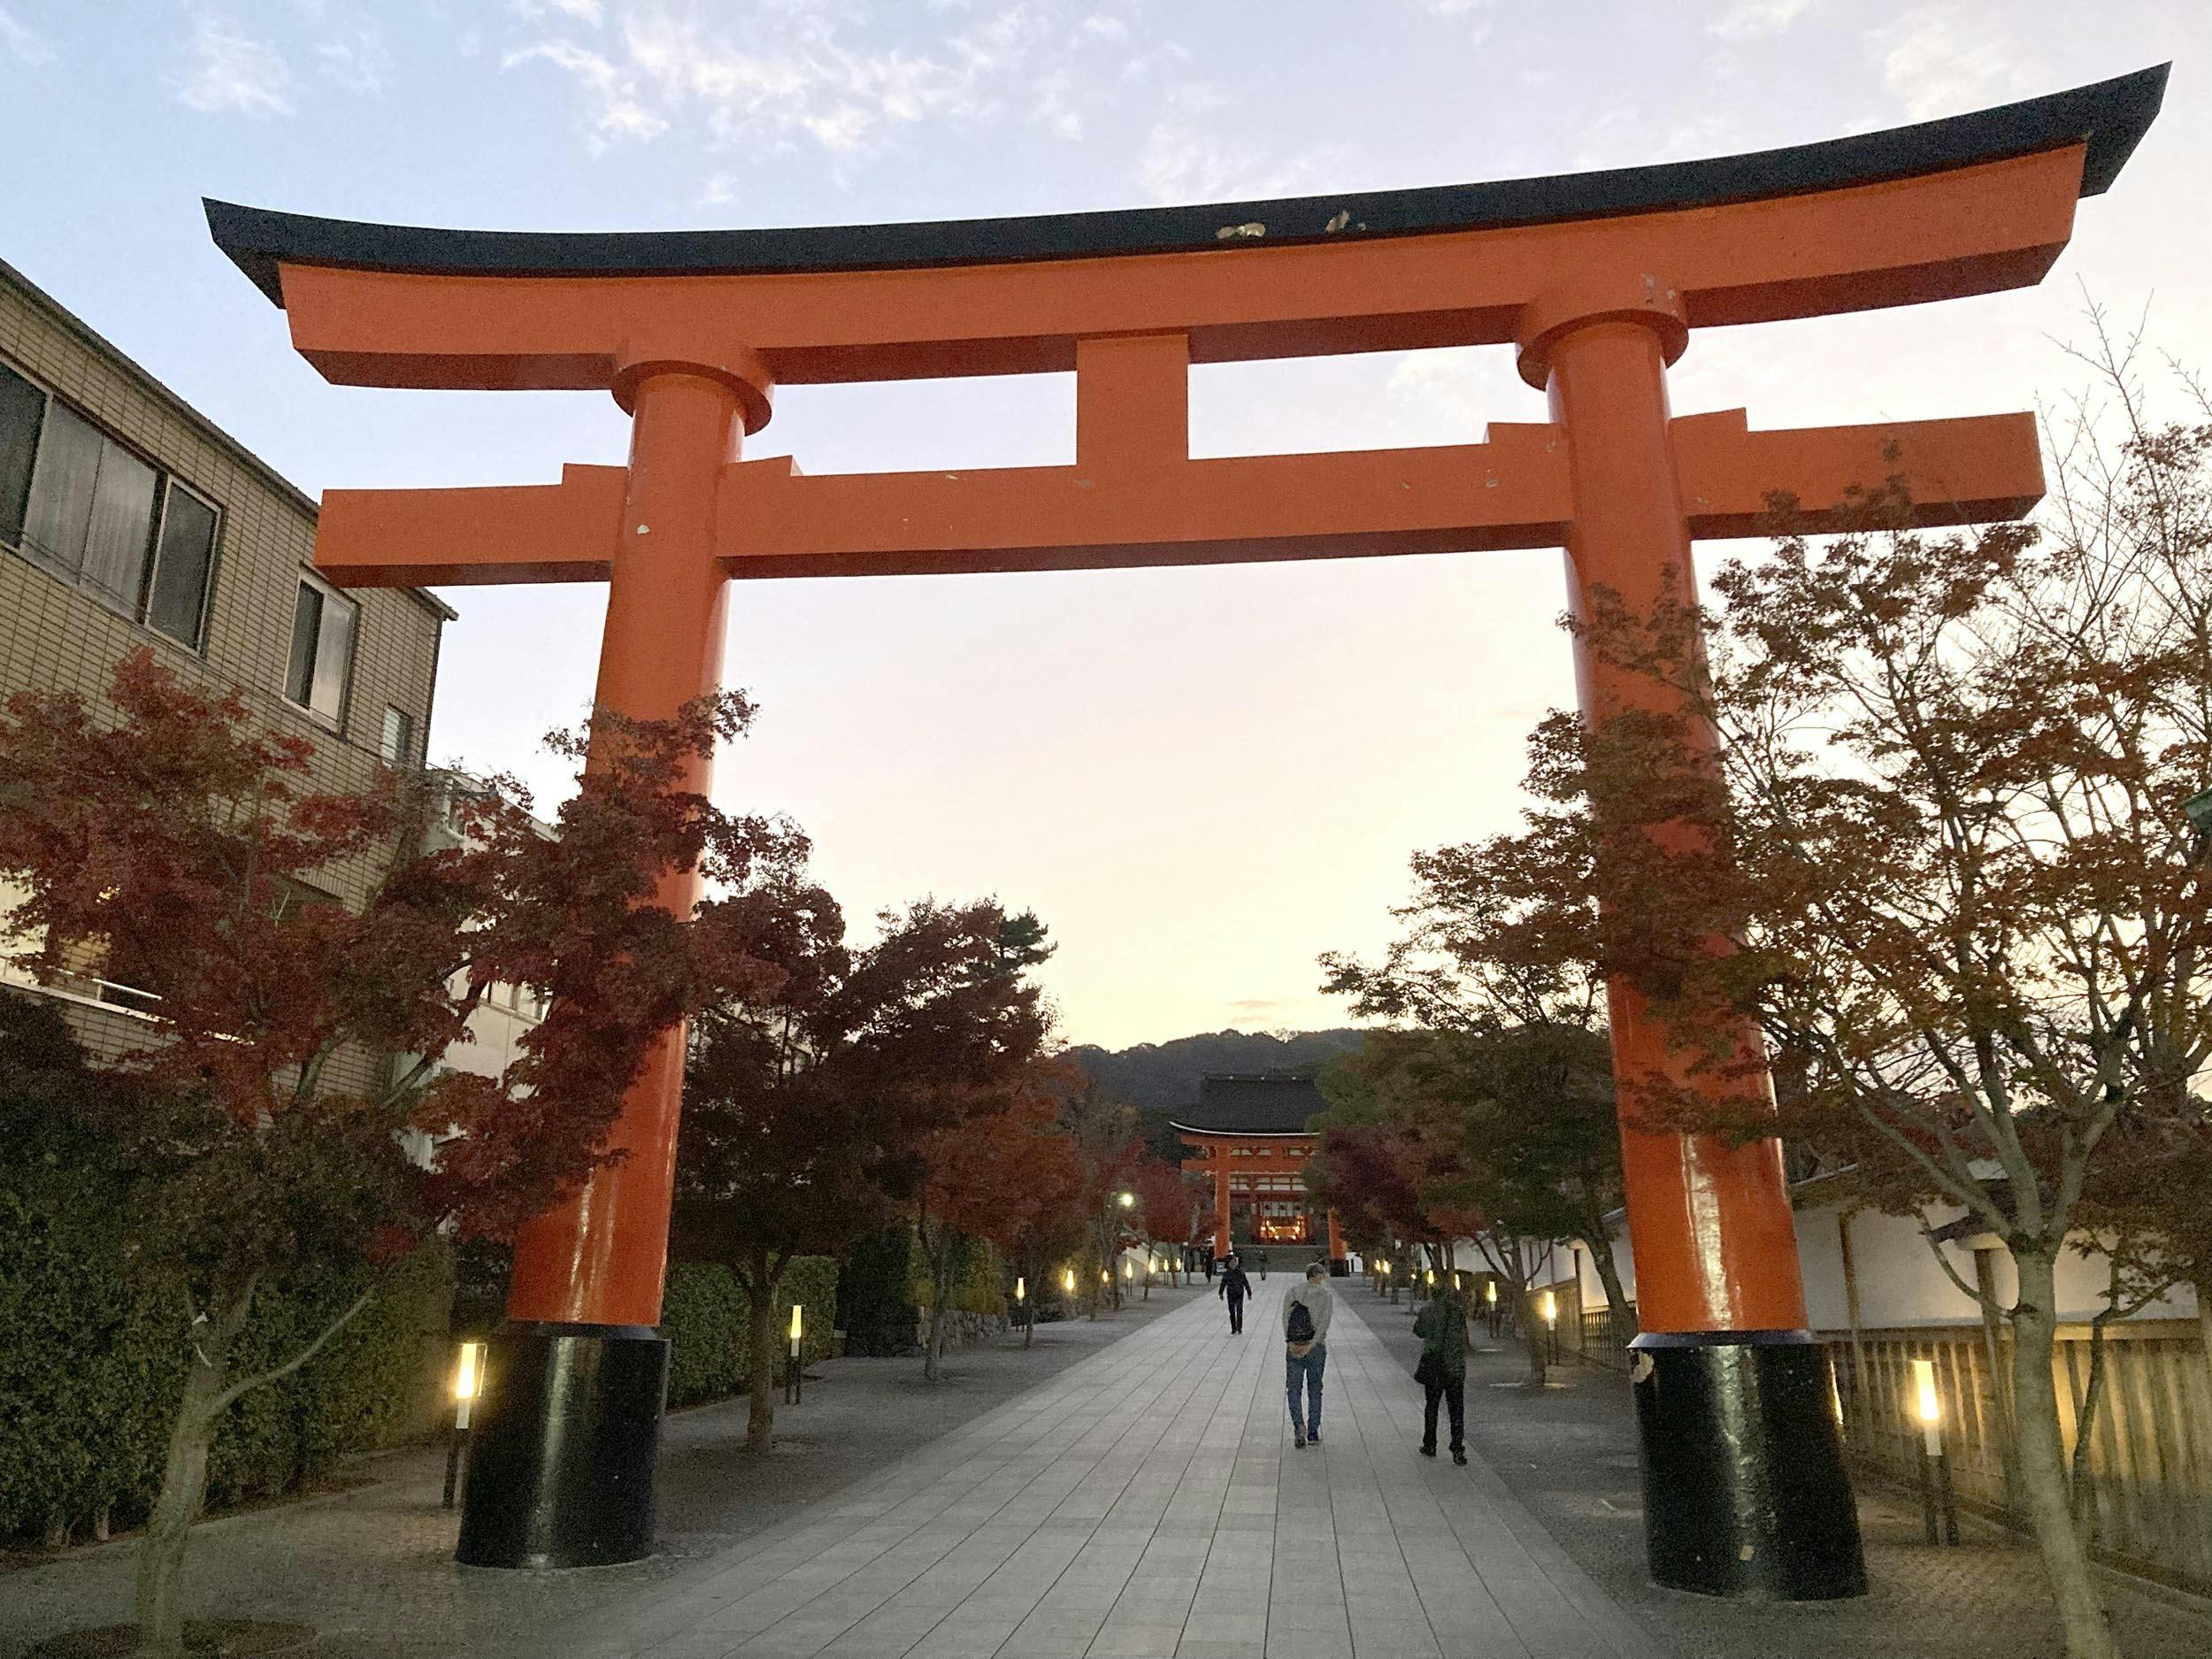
[1200,778]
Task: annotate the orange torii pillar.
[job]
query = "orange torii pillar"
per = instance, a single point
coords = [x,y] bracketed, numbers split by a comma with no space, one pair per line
[580,1371]
[1597,281]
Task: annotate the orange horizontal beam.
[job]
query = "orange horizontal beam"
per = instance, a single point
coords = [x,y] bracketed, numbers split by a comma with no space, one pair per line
[1975,469]
[1510,492]
[1968,230]
[422,538]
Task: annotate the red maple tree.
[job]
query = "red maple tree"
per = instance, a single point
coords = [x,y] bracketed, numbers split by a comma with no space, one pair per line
[177,837]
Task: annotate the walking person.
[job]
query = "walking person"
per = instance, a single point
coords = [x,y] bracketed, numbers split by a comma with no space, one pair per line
[1442,1373]
[1235,1286]
[1306,1352]
[1263,1267]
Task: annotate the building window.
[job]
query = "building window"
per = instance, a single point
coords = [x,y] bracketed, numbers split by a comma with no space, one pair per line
[322,650]
[398,747]
[82,506]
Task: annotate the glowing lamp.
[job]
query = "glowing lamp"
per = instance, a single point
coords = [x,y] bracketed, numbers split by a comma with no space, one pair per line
[798,1321]
[1432,1275]
[1021,1290]
[468,1377]
[1490,1292]
[1128,1269]
[1067,1281]
[1128,1201]
[1928,1405]
[468,1380]
[1551,1309]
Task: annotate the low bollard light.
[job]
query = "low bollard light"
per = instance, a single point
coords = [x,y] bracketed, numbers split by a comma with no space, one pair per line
[468,1376]
[1027,1314]
[1936,1497]
[1551,1322]
[794,1374]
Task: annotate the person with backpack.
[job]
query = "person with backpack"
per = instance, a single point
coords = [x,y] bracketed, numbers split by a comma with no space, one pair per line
[1442,1373]
[1306,1352]
[1236,1285]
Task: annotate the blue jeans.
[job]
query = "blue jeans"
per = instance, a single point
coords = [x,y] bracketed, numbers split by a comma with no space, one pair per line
[1309,1370]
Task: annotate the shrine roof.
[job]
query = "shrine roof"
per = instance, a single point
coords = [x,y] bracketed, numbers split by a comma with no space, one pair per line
[1265,1104]
[2109,118]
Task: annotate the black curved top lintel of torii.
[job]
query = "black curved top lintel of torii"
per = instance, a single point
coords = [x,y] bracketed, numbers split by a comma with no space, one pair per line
[2109,115]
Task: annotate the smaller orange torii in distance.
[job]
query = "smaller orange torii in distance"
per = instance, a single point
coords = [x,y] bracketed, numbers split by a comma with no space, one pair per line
[1597,282]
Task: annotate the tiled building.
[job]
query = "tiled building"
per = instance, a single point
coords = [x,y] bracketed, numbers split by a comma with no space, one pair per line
[127,519]
[1248,1135]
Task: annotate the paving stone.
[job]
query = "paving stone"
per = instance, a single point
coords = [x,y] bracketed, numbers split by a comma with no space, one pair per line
[1145,1502]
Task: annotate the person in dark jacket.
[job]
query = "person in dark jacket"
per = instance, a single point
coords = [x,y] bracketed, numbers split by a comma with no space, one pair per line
[1442,1373]
[1235,1286]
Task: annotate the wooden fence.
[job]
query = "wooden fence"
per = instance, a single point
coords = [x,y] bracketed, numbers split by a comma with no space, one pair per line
[2149,1470]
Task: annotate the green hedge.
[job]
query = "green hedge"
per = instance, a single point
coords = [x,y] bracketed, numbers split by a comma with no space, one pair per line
[377,1383]
[885,1289]
[707,1317]
[90,1367]
[875,1295]
[978,1279]
[92,1345]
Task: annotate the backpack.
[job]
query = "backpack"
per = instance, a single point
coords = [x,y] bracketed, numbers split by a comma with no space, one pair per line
[1299,1327]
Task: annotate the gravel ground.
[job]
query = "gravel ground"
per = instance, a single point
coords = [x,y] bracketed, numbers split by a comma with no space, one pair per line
[373,1566]
[1570,1455]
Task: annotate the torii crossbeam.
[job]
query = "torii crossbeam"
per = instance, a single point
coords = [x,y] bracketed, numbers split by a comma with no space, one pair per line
[1597,281]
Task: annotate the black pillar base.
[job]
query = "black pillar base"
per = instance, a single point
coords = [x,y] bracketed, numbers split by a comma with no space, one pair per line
[1745,1493]
[566,1433]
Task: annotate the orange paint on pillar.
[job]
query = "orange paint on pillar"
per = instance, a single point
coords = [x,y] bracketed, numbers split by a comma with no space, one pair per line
[599,1257]
[1710,1227]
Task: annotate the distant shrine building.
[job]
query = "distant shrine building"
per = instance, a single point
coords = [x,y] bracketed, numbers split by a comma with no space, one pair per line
[1249,1136]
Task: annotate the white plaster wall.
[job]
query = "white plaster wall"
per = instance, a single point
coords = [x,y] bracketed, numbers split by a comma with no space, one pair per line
[2081,1289]
[1901,1284]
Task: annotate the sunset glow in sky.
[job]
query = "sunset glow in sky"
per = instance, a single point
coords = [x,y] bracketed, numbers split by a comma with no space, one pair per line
[1200,778]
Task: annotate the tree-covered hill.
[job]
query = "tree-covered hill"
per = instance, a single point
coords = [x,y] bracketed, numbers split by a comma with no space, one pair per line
[1155,1077]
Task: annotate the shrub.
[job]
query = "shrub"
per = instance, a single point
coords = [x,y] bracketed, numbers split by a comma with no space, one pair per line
[706,1317]
[89,1370]
[876,1305]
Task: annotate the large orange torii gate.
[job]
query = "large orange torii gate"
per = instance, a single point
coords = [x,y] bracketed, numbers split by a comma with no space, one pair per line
[1595,279]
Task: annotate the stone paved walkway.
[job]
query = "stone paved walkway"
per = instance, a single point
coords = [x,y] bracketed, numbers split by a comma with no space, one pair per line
[1147,1504]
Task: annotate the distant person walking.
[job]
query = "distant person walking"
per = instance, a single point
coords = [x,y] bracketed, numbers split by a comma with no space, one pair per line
[1263,1267]
[1442,1373]
[1306,1351]
[1235,1286]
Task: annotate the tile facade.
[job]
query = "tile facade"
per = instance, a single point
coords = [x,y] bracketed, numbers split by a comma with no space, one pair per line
[56,635]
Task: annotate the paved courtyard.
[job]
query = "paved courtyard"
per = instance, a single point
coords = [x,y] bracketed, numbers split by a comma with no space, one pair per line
[1147,1504]
[1123,1489]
